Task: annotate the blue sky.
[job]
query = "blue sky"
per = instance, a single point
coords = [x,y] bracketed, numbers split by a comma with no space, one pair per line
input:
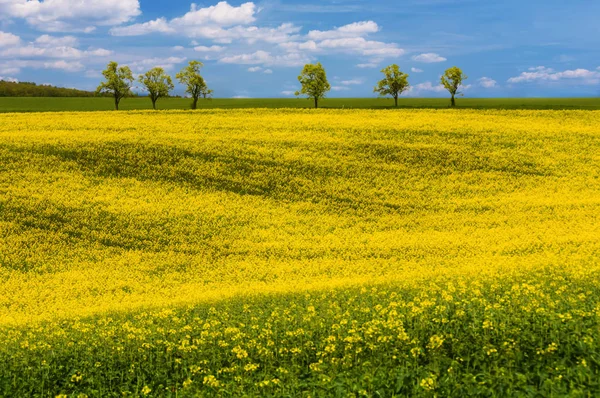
[526,48]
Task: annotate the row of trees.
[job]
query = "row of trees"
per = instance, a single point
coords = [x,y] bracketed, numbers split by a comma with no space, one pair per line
[313,81]
[119,81]
[315,86]
[29,89]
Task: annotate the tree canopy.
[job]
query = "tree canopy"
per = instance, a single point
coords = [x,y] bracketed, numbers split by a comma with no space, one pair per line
[452,79]
[193,81]
[394,83]
[314,82]
[158,84]
[118,82]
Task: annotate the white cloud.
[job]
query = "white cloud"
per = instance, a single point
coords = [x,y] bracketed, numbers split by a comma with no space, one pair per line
[356,29]
[340,88]
[297,46]
[268,71]
[214,49]
[53,47]
[165,63]
[9,79]
[92,73]
[362,46]
[52,41]
[368,65]
[224,23]
[288,92]
[428,58]
[198,22]
[487,82]
[10,68]
[353,82]
[8,39]
[178,48]
[254,69]
[158,25]
[64,65]
[71,15]
[221,14]
[265,58]
[416,70]
[426,87]
[543,74]
[240,97]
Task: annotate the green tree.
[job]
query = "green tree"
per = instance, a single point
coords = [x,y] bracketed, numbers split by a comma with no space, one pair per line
[118,82]
[194,82]
[452,79]
[394,83]
[158,84]
[206,92]
[314,82]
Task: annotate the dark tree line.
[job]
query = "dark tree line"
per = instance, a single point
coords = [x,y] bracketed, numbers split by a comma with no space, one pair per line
[28,89]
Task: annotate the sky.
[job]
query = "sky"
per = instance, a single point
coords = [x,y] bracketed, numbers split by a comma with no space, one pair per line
[508,48]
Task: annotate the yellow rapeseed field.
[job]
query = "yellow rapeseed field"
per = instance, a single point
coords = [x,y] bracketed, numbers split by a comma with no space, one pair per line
[300,253]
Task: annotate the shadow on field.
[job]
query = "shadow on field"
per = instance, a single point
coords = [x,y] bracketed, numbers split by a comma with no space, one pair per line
[341,176]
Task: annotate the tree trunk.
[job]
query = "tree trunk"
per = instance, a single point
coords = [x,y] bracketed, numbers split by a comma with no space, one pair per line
[452,101]
[195,103]
[154,103]
[316,103]
[396,100]
[116,103]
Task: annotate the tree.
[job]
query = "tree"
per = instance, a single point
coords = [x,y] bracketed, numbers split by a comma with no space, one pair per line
[314,82]
[190,77]
[452,80]
[394,83]
[158,84]
[206,93]
[118,82]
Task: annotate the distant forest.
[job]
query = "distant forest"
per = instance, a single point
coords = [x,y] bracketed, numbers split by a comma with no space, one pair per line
[28,89]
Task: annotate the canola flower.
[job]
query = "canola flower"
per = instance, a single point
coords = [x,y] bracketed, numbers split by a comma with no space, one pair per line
[299,253]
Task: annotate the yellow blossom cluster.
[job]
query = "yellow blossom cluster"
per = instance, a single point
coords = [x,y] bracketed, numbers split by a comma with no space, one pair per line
[300,253]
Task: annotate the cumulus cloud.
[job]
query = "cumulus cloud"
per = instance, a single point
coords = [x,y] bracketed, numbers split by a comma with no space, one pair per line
[165,63]
[51,41]
[9,79]
[70,15]
[543,74]
[368,65]
[340,88]
[10,68]
[352,82]
[362,46]
[288,92]
[64,65]
[428,58]
[224,23]
[424,88]
[352,30]
[268,71]
[198,22]
[487,82]
[205,49]
[254,69]
[47,46]
[266,58]
[8,39]
[416,70]
[158,25]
